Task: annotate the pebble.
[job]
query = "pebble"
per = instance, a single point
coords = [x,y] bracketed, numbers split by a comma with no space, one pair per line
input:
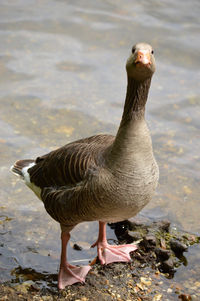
[77,247]
[137,279]
[141,286]
[163,243]
[47,298]
[164,225]
[121,228]
[157,297]
[135,235]
[145,281]
[24,287]
[149,241]
[185,297]
[162,254]
[197,283]
[21,289]
[177,246]
[167,266]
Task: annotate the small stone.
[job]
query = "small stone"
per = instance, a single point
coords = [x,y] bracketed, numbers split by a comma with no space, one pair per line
[121,228]
[167,266]
[191,238]
[35,287]
[157,297]
[149,241]
[141,286]
[164,225]
[77,247]
[135,235]
[178,288]
[163,243]
[197,283]
[24,287]
[177,246]
[21,288]
[136,289]
[162,254]
[47,298]
[145,281]
[135,224]
[185,297]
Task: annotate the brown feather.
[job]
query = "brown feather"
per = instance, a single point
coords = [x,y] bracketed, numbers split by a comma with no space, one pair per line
[102,177]
[69,164]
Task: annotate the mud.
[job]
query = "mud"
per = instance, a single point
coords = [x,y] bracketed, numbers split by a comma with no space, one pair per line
[149,276]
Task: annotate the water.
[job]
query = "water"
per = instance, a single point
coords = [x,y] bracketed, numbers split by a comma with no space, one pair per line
[62,77]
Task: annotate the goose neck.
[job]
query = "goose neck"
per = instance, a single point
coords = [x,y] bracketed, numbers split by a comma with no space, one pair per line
[136,98]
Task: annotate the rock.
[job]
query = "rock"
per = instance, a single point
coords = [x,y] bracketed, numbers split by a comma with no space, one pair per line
[77,247]
[121,231]
[185,297]
[167,266]
[21,288]
[164,225]
[141,279]
[135,235]
[177,246]
[162,254]
[145,281]
[47,298]
[157,297]
[136,224]
[163,243]
[24,286]
[191,238]
[149,241]
[121,226]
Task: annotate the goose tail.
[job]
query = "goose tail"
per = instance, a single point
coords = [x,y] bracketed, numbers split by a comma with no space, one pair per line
[19,167]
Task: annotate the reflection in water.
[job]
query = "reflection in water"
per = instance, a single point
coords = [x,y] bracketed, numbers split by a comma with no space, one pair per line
[62,77]
[40,279]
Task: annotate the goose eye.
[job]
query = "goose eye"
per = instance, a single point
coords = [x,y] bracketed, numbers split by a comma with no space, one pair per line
[152,52]
[133,49]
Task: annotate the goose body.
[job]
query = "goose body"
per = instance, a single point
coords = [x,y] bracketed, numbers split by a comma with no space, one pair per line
[102,178]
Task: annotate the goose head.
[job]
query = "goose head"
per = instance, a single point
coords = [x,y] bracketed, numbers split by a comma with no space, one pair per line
[141,63]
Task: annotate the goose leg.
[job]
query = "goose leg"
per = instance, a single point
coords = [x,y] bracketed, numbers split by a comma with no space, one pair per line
[111,253]
[69,274]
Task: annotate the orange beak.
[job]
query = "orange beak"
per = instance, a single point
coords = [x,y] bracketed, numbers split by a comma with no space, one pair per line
[143,58]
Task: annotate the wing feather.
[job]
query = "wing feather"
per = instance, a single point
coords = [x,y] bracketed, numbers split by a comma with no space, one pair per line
[69,164]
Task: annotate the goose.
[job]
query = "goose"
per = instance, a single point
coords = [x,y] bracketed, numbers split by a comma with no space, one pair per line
[101,178]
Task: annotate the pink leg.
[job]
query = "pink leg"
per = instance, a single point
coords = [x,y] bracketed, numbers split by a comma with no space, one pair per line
[111,253]
[69,274]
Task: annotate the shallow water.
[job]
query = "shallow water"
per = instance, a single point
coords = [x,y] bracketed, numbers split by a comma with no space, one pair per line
[62,77]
